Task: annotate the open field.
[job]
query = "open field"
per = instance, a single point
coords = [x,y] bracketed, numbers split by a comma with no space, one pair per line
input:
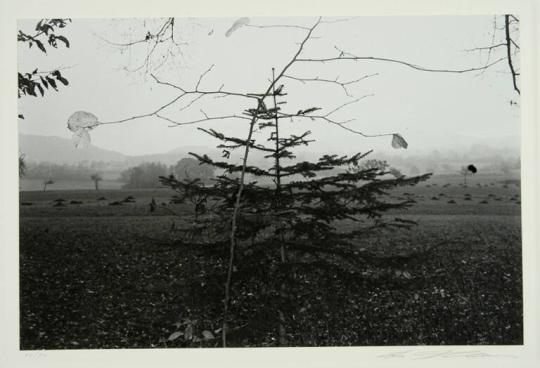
[95,275]
[37,185]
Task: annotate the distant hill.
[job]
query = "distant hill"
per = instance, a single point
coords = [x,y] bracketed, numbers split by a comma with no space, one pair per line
[37,148]
[62,151]
[58,150]
[173,156]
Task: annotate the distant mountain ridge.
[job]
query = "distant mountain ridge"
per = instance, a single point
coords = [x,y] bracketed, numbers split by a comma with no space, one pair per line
[59,150]
[38,148]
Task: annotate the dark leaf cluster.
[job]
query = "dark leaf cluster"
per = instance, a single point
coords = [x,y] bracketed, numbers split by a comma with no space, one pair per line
[46,33]
[37,82]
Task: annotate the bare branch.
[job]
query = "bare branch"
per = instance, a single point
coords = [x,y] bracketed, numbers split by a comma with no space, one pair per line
[119,44]
[175,123]
[202,76]
[208,118]
[326,117]
[219,91]
[335,81]
[396,61]
[509,53]
[486,48]
[514,43]
[159,36]
[277,26]
[347,104]
[338,20]
[191,102]
[340,124]
[154,113]
[492,42]
[164,34]
[507,43]
[294,58]
[297,26]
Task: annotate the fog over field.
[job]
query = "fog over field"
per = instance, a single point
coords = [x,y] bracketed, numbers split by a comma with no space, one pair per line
[501,161]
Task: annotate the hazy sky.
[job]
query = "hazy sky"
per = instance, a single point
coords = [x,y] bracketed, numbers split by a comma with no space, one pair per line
[431,110]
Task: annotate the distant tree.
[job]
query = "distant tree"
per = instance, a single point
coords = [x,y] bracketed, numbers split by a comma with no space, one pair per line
[47,182]
[380,165]
[145,175]
[467,170]
[446,167]
[395,172]
[96,178]
[22,166]
[464,172]
[153,205]
[414,170]
[190,168]
[59,172]
[505,168]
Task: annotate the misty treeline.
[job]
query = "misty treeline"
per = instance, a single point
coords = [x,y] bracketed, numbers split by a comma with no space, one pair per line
[46,170]
[493,161]
[489,161]
[144,175]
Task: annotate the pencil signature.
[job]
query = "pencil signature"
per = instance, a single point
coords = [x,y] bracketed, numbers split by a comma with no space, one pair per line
[416,354]
[35,355]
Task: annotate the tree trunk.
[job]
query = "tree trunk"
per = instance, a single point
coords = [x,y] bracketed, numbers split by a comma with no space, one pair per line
[281,315]
[283,295]
[232,246]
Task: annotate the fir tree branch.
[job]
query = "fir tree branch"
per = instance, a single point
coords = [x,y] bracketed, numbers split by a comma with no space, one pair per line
[239,142]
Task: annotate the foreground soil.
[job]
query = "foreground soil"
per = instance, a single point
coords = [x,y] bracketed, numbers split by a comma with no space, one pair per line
[94,275]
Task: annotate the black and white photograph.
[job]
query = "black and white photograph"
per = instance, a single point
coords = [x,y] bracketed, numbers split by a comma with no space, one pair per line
[271,181]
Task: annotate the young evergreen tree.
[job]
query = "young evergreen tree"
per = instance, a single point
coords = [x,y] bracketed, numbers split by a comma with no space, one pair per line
[291,229]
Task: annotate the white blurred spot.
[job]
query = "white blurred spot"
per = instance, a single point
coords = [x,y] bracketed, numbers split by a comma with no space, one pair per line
[80,124]
[237,24]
